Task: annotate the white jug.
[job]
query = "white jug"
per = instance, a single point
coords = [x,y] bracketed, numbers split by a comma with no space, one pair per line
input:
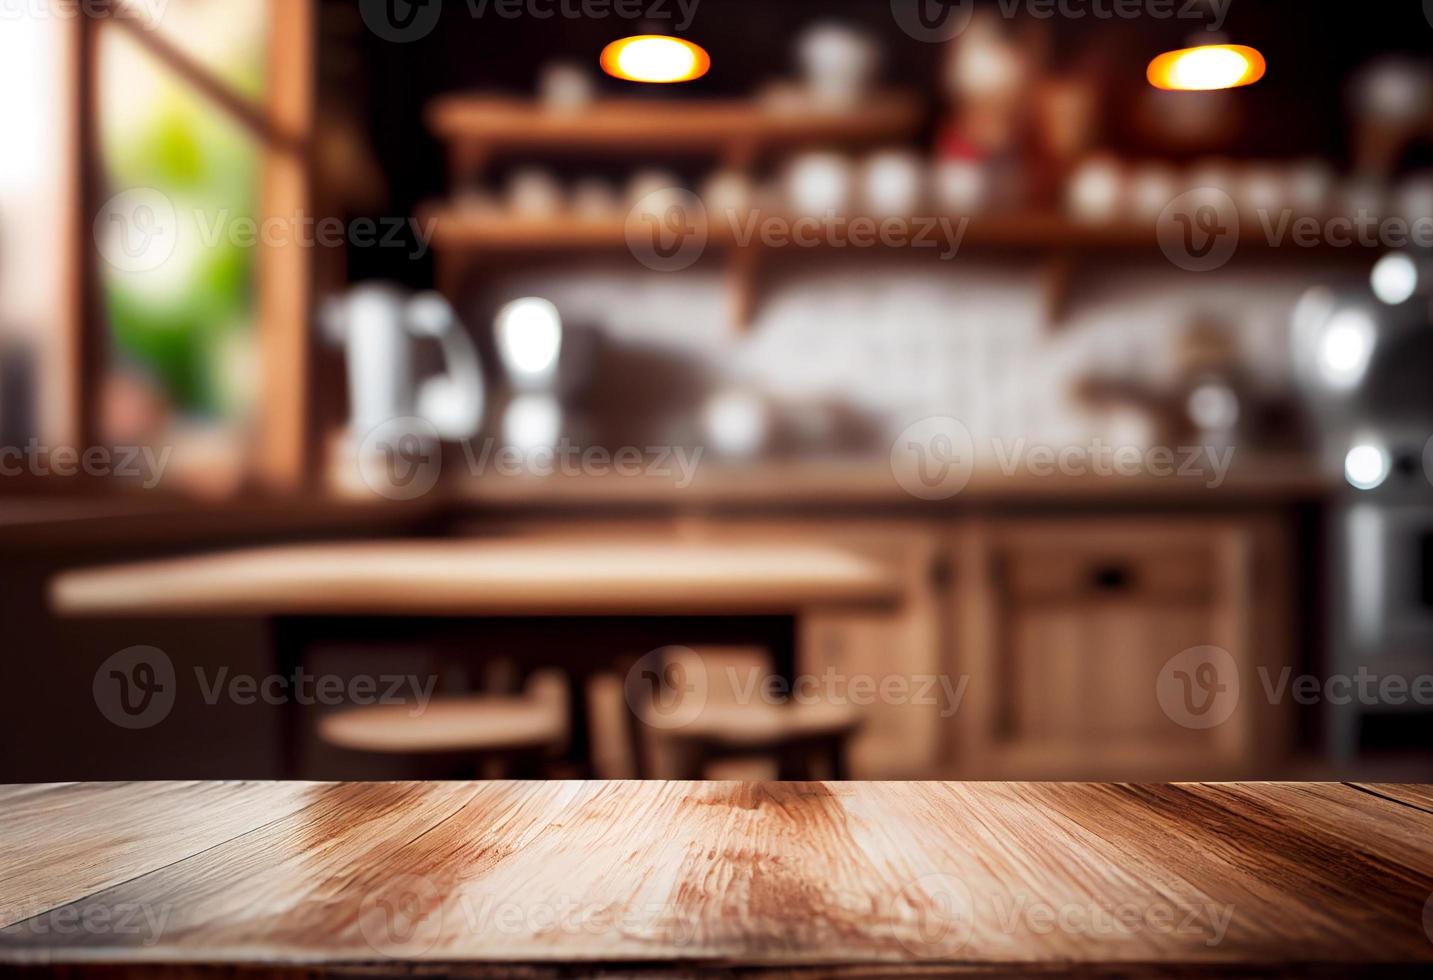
[378,324]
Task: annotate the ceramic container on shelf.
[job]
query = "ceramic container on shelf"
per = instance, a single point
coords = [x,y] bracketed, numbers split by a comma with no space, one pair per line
[960,186]
[564,87]
[838,65]
[1096,190]
[534,193]
[892,184]
[819,184]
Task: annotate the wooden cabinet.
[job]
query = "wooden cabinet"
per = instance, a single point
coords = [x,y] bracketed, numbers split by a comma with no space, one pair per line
[1032,646]
[892,663]
[1064,627]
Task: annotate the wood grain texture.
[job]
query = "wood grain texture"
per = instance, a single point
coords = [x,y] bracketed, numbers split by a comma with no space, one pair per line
[492,577]
[65,841]
[986,878]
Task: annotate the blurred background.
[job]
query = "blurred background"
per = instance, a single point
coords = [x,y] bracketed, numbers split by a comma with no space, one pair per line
[1120,392]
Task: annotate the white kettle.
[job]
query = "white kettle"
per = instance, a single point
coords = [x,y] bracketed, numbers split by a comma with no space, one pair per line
[379,325]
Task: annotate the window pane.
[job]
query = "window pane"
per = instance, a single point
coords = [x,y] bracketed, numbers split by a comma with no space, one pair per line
[177,240]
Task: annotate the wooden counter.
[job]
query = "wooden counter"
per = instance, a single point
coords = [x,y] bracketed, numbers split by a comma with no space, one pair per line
[860,485]
[492,577]
[986,879]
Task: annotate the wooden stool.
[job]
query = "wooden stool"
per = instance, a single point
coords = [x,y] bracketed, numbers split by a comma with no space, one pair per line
[519,734]
[798,736]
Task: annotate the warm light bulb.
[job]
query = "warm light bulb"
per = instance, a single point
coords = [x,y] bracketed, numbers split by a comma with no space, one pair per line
[655,58]
[1205,68]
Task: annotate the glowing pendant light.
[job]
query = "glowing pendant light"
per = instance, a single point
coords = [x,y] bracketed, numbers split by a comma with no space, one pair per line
[655,58]
[1206,68]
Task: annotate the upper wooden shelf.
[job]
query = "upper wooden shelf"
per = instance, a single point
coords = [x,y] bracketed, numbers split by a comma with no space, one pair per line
[671,124]
[457,229]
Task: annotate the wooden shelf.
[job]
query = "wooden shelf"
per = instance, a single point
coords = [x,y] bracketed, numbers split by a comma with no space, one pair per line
[671,124]
[475,127]
[460,235]
[476,231]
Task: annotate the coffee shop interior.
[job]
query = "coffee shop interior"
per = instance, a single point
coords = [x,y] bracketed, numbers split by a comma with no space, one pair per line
[816,389]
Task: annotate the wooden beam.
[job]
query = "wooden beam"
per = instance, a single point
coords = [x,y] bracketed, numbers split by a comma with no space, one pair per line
[285,271]
[84,314]
[261,123]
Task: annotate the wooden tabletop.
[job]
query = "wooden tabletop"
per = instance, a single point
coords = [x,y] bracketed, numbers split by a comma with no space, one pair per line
[996,879]
[484,577]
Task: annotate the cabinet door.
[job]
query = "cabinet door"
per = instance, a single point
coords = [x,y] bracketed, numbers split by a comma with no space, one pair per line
[896,654]
[1066,627]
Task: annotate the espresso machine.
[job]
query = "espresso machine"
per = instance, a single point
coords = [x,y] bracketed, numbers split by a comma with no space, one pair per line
[1366,369]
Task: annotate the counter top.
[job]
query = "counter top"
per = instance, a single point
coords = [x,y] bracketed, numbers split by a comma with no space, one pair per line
[492,577]
[872,484]
[818,879]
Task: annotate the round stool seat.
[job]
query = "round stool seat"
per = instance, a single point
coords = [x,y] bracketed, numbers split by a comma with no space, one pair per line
[738,726]
[458,724]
